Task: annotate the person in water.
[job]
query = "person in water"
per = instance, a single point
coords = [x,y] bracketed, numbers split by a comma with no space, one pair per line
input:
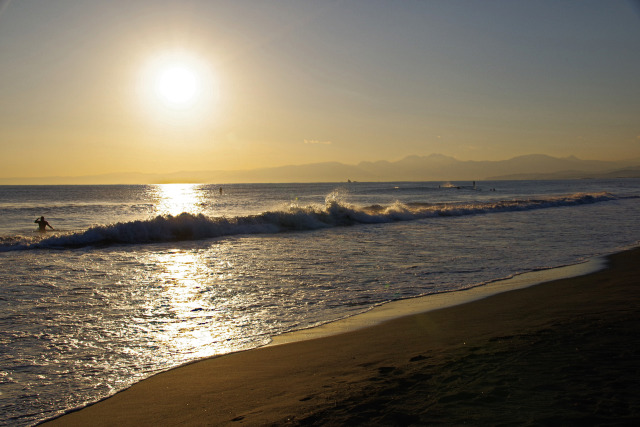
[43,224]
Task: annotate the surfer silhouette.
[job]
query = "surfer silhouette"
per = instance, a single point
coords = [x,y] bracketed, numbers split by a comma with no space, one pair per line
[43,224]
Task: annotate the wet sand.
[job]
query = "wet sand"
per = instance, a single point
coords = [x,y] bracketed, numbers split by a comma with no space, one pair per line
[564,352]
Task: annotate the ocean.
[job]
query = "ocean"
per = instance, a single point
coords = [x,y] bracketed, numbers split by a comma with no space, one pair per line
[134,280]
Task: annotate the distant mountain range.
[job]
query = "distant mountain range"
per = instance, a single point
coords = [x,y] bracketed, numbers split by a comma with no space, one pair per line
[435,167]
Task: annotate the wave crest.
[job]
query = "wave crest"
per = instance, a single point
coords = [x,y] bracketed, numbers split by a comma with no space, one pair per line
[334,213]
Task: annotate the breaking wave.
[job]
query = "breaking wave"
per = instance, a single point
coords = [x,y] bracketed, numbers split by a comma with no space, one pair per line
[334,213]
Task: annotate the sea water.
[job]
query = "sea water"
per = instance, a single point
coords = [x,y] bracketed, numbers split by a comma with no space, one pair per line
[138,279]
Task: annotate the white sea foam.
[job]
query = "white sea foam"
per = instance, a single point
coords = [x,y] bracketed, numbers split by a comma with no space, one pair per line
[147,291]
[335,213]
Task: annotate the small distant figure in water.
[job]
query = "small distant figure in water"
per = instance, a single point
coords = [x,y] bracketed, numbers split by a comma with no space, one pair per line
[43,224]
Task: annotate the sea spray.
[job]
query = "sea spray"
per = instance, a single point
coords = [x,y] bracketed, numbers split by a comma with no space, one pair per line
[336,212]
[145,293]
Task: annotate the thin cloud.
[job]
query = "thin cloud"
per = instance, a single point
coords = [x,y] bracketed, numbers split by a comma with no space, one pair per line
[317,142]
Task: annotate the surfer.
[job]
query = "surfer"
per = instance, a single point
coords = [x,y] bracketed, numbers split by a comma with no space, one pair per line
[43,224]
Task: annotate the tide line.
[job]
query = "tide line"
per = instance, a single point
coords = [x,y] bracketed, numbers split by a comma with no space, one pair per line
[407,307]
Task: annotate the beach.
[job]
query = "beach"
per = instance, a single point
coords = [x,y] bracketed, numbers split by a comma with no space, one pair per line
[560,353]
[319,213]
[137,280]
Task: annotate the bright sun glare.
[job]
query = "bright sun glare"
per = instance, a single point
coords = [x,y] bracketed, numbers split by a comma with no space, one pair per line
[177,86]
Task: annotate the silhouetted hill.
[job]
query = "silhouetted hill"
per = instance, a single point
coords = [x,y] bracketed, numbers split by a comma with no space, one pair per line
[435,167]
[630,172]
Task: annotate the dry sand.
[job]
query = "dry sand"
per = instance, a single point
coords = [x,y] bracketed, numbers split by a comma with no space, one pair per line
[561,353]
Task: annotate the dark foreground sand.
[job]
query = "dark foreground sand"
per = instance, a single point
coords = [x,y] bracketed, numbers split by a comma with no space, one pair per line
[562,353]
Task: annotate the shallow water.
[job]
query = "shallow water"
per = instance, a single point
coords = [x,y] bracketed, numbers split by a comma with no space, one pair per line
[127,286]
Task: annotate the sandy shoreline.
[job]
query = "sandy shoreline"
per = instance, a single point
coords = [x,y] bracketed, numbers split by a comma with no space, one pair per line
[562,352]
[410,306]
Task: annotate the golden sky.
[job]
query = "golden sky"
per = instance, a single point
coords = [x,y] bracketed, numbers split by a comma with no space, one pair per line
[90,87]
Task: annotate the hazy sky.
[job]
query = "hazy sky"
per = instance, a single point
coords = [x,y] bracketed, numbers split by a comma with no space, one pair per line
[94,86]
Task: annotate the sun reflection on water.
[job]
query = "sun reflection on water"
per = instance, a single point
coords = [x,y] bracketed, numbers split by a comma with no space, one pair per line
[173,199]
[194,318]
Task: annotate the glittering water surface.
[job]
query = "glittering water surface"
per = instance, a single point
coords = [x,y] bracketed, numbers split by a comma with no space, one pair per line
[138,279]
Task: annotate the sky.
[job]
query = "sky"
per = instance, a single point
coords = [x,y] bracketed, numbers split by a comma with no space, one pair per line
[90,87]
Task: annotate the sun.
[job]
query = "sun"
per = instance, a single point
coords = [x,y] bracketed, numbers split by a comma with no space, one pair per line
[177,86]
